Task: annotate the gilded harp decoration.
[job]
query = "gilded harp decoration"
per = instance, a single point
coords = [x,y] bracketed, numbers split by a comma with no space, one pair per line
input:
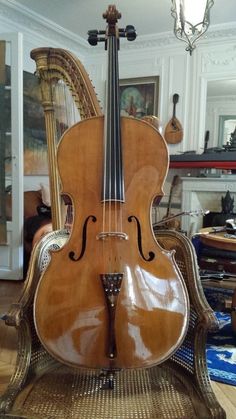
[56,66]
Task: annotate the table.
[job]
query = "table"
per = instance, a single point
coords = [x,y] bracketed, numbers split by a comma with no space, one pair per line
[217,239]
[229,301]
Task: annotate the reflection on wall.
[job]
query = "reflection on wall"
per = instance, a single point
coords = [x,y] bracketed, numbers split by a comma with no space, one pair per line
[227,126]
[221,107]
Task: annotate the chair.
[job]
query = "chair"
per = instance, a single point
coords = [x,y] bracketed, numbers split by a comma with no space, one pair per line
[179,388]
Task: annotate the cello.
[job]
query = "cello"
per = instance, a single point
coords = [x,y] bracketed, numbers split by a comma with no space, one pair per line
[111,297]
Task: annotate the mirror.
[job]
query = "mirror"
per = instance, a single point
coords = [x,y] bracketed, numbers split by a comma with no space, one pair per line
[220,111]
[227,125]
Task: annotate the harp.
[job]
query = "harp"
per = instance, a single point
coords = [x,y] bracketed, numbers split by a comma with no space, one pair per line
[59,70]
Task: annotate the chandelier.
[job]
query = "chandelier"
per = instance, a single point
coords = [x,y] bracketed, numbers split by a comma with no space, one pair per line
[192,18]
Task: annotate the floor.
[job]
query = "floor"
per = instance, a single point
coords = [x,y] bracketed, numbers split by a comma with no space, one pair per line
[9,292]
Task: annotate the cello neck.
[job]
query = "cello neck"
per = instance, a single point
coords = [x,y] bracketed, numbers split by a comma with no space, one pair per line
[113,181]
[113,178]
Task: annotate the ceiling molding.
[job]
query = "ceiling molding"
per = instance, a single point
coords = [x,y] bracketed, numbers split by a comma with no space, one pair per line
[217,34]
[223,30]
[223,58]
[37,26]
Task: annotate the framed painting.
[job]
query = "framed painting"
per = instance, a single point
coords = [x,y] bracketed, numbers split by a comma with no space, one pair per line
[139,96]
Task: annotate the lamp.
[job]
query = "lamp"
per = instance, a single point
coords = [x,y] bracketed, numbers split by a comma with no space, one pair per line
[192,18]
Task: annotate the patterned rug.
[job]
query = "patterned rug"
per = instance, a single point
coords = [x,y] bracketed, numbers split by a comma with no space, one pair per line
[221,352]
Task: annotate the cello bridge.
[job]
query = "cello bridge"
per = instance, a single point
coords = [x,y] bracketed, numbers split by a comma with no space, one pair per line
[119,234]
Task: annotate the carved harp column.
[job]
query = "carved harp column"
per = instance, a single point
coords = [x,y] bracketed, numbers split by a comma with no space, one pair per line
[53,65]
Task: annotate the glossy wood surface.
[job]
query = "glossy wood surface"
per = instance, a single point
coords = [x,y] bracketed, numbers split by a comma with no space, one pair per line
[217,240]
[10,292]
[173,131]
[71,314]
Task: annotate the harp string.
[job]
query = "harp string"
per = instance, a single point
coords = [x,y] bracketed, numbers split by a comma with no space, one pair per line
[66,115]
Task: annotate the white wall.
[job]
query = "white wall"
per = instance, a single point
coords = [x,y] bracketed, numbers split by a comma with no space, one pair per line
[37,33]
[213,59]
[143,59]
[163,55]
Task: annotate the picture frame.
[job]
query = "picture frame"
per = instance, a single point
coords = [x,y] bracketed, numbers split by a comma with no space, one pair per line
[139,96]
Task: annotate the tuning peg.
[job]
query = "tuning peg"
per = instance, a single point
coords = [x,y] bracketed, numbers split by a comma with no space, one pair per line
[93,32]
[93,37]
[130,32]
[93,40]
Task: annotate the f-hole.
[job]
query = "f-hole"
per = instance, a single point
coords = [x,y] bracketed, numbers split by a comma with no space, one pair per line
[72,254]
[139,237]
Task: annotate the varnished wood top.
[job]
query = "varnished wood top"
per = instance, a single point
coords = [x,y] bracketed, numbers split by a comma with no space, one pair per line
[217,240]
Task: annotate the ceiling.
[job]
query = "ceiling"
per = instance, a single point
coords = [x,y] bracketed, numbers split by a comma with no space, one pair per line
[148,16]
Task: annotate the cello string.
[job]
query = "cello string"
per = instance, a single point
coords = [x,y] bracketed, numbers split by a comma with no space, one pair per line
[115,109]
[104,169]
[118,149]
[110,139]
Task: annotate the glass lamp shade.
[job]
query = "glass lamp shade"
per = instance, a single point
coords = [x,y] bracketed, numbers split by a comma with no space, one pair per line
[192,18]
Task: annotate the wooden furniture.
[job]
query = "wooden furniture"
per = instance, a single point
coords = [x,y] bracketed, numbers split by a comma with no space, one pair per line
[227,301]
[217,252]
[209,237]
[178,388]
[217,240]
